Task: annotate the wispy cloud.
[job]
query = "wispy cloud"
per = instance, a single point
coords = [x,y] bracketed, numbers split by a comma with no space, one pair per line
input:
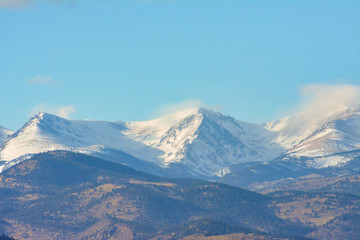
[43,80]
[15,3]
[24,3]
[320,103]
[174,107]
[324,99]
[63,111]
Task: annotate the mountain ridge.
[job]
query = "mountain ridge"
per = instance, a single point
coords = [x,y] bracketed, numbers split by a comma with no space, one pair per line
[69,195]
[193,142]
[52,192]
[161,141]
[4,134]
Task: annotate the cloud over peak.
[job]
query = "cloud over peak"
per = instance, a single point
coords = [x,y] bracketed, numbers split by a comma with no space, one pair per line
[321,103]
[174,107]
[328,98]
[63,111]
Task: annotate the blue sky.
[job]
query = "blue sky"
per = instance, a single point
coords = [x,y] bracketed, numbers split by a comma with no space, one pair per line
[130,60]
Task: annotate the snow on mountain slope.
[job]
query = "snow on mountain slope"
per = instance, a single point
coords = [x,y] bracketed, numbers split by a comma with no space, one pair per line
[198,141]
[203,141]
[170,134]
[46,132]
[293,129]
[4,133]
[332,133]
[339,135]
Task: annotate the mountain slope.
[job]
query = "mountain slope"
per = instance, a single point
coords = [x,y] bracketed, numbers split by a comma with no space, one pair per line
[330,215]
[197,141]
[73,196]
[339,135]
[205,141]
[291,170]
[48,132]
[4,134]
[293,129]
[194,142]
[330,135]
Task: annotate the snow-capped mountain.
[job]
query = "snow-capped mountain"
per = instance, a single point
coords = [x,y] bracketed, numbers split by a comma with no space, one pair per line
[293,129]
[326,147]
[4,134]
[339,135]
[193,142]
[203,141]
[304,136]
[46,132]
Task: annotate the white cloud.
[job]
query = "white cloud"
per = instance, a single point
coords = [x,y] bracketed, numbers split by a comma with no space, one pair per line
[326,99]
[61,111]
[24,3]
[65,111]
[321,103]
[44,80]
[174,107]
[15,3]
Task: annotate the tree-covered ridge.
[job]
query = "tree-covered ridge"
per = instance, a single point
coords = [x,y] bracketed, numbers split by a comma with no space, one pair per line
[5,237]
[75,196]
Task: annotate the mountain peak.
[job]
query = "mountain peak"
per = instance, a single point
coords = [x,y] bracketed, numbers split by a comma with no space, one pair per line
[206,111]
[194,111]
[2,129]
[44,115]
[36,119]
[350,112]
[165,122]
[199,139]
[191,111]
[4,134]
[39,114]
